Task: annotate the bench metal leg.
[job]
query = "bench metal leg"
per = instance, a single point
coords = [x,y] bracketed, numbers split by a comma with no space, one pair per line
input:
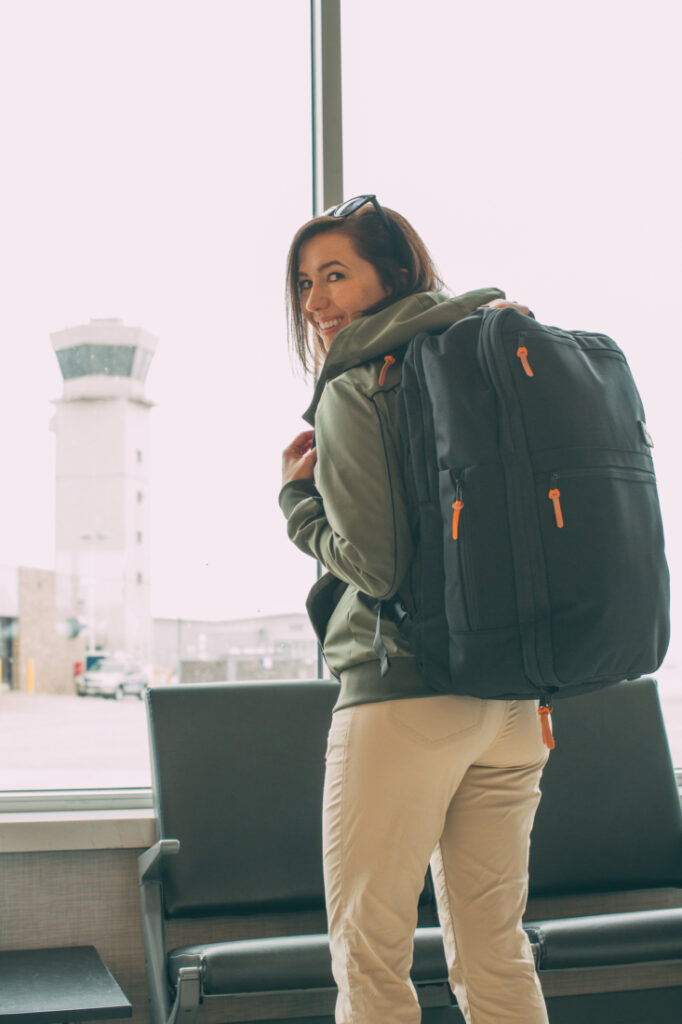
[187,997]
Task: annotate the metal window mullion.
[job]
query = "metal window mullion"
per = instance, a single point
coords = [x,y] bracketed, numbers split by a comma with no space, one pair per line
[327,133]
[327,126]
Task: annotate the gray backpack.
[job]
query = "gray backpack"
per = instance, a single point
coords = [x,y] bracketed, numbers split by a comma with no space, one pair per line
[540,569]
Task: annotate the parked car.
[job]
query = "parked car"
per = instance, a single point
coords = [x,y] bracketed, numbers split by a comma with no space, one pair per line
[111,677]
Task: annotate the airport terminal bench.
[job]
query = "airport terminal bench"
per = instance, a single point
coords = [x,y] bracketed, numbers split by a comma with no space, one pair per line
[232,893]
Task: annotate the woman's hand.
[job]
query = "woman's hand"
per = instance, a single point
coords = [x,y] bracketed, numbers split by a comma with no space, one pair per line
[504,304]
[299,458]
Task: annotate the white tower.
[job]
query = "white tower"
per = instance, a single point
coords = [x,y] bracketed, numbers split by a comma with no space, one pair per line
[102,527]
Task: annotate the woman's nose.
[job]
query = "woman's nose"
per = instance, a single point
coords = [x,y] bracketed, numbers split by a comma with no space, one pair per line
[316,298]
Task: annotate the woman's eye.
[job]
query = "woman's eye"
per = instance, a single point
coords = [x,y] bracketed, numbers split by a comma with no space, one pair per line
[335,275]
[303,286]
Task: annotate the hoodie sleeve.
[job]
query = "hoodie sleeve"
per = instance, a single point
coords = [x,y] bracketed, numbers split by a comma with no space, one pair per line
[354,519]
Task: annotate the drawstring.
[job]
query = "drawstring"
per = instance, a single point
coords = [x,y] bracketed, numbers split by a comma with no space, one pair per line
[380,647]
[396,611]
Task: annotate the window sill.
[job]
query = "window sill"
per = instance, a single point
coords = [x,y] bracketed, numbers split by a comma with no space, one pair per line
[60,830]
[87,820]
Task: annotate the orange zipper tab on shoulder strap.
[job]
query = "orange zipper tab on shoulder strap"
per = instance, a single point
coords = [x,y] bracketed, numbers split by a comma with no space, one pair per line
[522,353]
[388,361]
[555,498]
[457,507]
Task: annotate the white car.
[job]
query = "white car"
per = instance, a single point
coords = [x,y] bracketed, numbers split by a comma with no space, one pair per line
[113,678]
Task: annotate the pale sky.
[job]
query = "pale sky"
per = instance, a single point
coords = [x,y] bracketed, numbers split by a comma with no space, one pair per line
[156,164]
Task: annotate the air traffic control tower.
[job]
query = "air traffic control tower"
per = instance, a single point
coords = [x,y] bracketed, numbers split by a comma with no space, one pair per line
[102,469]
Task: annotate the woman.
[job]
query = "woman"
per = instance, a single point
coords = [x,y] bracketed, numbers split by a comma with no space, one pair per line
[412,776]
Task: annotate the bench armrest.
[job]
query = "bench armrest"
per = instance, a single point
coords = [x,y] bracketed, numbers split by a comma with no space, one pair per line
[149,862]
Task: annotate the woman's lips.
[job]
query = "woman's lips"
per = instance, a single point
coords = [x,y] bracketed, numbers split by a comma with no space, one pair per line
[330,324]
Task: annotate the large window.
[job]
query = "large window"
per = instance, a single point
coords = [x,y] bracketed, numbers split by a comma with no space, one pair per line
[157,160]
[534,147]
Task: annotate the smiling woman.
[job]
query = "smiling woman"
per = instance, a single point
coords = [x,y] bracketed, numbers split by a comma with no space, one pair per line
[406,765]
[336,284]
[380,259]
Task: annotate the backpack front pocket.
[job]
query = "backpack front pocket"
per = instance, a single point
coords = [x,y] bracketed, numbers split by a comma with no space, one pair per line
[599,526]
[479,580]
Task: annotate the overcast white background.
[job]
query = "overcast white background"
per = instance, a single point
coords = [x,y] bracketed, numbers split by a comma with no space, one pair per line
[156,163]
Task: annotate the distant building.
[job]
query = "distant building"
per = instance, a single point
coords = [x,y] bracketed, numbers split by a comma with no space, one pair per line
[41,639]
[263,647]
[102,476]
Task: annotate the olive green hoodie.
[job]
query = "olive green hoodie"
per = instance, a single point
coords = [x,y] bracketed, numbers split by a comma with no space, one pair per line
[354,518]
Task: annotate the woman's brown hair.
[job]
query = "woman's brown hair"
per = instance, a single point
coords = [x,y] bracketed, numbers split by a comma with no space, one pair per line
[399,256]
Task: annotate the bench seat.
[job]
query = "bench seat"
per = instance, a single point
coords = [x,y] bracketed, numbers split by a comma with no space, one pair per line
[606,940]
[238,776]
[301,962]
[288,963]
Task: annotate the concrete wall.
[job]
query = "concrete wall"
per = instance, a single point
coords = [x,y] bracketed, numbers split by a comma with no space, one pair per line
[46,602]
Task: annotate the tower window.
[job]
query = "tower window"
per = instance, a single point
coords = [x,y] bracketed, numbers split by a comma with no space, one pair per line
[139,577]
[139,536]
[138,455]
[140,497]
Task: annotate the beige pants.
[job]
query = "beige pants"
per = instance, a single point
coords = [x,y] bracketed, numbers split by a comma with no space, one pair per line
[453,780]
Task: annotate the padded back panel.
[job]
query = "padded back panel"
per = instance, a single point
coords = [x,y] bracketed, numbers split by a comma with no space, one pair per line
[238,772]
[610,816]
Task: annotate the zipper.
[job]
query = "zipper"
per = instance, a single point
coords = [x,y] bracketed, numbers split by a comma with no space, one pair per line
[522,354]
[545,713]
[555,497]
[622,472]
[468,591]
[388,362]
[532,592]
[457,507]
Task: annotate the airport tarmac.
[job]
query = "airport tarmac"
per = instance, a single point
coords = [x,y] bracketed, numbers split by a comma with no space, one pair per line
[50,741]
[55,741]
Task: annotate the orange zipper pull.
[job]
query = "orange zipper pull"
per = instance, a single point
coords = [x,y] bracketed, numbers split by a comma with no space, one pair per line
[388,361]
[554,496]
[457,507]
[522,353]
[545,713]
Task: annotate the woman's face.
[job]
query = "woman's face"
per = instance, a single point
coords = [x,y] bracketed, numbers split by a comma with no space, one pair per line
[336,285]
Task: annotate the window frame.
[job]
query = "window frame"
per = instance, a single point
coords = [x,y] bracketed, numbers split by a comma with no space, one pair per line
[327,189]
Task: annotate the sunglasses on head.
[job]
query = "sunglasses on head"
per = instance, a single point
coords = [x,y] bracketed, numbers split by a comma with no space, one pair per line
[350,206]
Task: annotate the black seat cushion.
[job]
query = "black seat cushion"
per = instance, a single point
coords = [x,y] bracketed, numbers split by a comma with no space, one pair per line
[288,963]
[607,939]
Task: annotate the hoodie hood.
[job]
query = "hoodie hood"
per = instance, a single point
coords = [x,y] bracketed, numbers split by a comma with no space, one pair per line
[377,335]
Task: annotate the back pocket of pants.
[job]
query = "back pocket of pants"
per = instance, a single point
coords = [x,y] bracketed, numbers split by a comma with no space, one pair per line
[436,720]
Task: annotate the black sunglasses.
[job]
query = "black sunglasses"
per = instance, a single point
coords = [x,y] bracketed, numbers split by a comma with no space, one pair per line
[350,206]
